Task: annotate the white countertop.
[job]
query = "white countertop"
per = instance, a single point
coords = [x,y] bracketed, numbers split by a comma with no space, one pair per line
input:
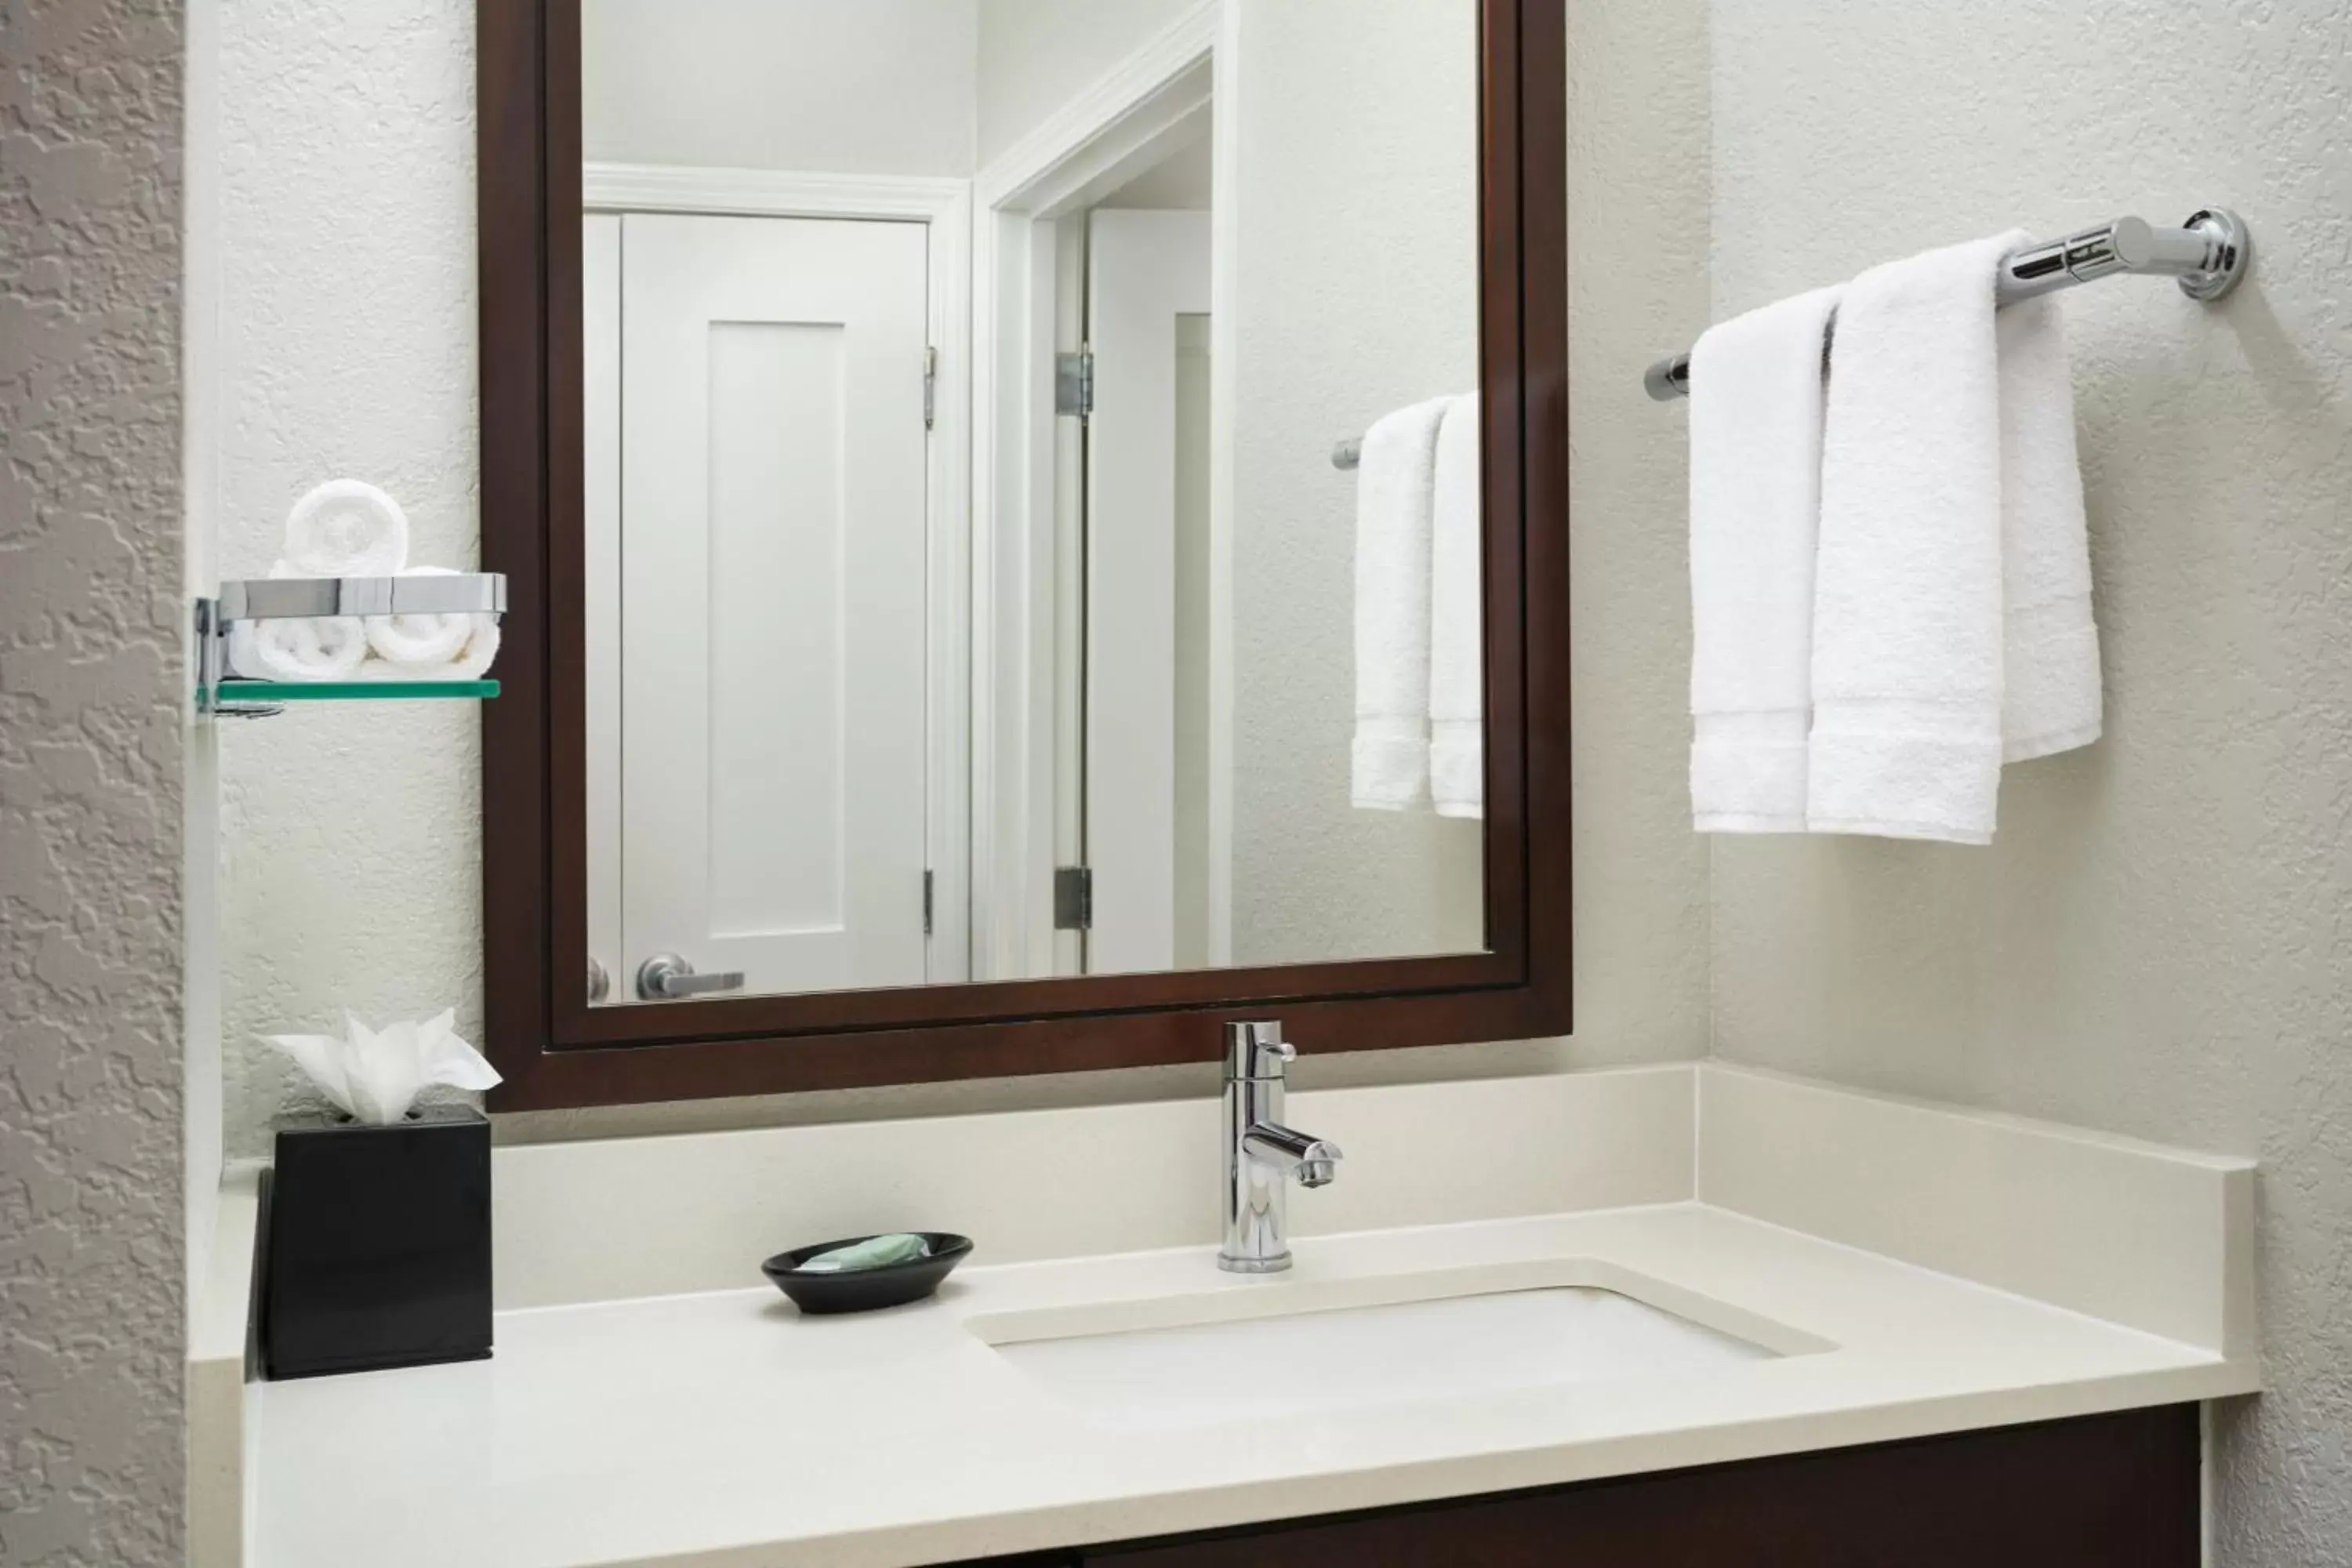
[724,1428]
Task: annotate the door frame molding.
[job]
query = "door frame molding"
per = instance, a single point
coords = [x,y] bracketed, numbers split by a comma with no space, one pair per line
[554,1050]
[1123,121]
[944,208]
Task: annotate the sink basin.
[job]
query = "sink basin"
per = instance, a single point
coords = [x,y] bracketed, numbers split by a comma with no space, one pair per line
[1310,1362]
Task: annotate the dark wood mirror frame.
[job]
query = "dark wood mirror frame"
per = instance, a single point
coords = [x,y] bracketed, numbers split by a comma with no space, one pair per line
[555,1050]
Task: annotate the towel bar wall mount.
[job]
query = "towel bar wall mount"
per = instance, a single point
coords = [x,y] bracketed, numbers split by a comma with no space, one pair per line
[2210,256]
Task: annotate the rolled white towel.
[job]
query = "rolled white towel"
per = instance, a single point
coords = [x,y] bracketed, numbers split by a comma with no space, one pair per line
[346,528]
[472,662]
[424,639]
[475,662]
[328,647]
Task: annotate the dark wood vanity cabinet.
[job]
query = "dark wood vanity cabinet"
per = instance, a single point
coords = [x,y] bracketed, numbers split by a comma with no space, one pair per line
[2107,1491]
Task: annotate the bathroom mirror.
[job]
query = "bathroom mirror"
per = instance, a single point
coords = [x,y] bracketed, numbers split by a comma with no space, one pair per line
[1020,512]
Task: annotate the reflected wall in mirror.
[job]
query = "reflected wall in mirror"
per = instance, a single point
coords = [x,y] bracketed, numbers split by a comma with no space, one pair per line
[1032,491]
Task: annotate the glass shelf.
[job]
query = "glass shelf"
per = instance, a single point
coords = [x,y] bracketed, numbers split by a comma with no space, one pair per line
[482,595]
[248,696]
[352,690]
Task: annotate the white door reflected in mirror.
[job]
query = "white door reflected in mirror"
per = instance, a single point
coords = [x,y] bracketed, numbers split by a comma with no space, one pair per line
[768,589]
[971,591]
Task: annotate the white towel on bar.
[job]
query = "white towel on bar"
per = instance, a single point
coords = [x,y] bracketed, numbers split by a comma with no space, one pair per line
[2050,695]
[1457,759]
[1949,495]
[1395,482]
[1756,403]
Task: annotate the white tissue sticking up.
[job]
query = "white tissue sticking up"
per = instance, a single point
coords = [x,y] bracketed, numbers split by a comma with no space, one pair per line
[376,1075]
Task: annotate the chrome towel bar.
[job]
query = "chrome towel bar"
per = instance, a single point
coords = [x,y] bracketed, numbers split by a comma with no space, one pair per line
[2209,254]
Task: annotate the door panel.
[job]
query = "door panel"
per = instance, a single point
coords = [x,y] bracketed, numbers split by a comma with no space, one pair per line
[776,540]
[772,584]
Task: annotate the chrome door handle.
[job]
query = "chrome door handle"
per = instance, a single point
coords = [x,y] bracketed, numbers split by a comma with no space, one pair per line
[665,977]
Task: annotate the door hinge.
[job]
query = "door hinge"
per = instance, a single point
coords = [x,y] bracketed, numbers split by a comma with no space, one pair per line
[1073,898]
[927,903]
[930,388]
[1074,384]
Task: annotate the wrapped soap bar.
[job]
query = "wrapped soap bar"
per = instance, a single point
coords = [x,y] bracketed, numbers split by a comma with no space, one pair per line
[874,1252]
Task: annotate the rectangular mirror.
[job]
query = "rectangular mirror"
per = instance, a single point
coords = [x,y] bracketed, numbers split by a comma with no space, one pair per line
[1032,514]
[1238,736]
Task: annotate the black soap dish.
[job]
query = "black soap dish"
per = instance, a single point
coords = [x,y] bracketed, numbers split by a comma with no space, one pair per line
[865,1290]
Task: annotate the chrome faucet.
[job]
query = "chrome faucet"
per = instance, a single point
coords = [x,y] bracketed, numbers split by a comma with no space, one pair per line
[1260,1153]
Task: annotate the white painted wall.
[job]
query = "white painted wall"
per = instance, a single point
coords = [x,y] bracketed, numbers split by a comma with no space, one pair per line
[93,751]
[2155,942]
[1637,264]
[872,86]
[1033,55]
[347,331]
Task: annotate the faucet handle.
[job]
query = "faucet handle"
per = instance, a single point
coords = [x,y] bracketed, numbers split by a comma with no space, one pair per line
[1256,1049]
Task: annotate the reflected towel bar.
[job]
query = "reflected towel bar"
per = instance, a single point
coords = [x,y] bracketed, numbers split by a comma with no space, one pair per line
[2209,255]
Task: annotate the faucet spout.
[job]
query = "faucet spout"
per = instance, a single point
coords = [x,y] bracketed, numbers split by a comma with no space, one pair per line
[1312,1162]
[1263,1156]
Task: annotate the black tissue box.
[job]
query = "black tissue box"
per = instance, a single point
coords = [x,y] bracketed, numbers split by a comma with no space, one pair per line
[377,1244]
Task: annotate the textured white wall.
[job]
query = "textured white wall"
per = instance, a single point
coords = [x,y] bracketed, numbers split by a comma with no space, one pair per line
[92,702]
[350,832]
[879,87]
[2155,942]
[202,1121]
